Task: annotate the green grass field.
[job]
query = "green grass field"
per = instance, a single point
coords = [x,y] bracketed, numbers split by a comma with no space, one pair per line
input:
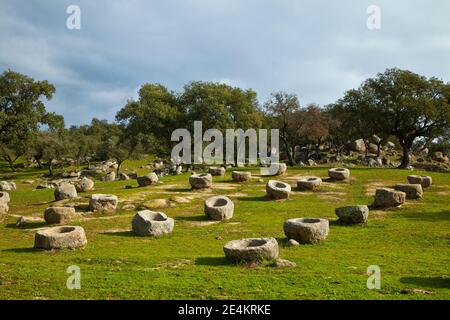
[410,244]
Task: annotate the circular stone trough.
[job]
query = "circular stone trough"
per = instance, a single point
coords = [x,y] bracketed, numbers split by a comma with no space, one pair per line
[200,181]
[60,238]
[306,230]
[219,208]
[151,223]
[252,249]
[309,183]
[278,190]
[339,173]
[241,176]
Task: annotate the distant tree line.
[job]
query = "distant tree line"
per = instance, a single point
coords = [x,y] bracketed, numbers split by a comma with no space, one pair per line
[397,104]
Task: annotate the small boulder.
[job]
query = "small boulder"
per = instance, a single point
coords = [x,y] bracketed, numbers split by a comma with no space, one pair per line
[22,221]
[309,183]
[105,203]
[84,185]
[353,214]
[217,171]
[278,190]
[65,237]
[123,176]
[413,191]
[293,243]
[4,207]
[424,181]
[147,180]
[252,250]
[281,168]
[150,223]
[241,176]
[282,263]
[219,208]
[60,215]
[110,176]
[339,173]
[200,181]
[306,230]
[7,186]
[386,197]
[65,191]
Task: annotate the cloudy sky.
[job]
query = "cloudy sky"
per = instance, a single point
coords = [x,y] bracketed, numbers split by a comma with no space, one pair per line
[317,49]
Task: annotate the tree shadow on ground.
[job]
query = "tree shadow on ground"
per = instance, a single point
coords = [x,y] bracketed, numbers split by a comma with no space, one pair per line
[212,261]
[428,216]
[434,282]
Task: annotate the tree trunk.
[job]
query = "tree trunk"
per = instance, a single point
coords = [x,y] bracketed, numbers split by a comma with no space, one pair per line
[288,152]
[118,168]
[50,168]
[405,159]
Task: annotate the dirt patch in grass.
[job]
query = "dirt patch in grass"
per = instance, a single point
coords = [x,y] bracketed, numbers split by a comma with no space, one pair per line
[237,194]
[202,223]
[377,214]
[173,264]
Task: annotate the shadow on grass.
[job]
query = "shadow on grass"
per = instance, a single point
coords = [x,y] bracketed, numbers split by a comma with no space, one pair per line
[428,216]
[255,198]
[119,233]
[181,190]
[23,250]
[29,225]
[193,218]
[212,261]
[434,282]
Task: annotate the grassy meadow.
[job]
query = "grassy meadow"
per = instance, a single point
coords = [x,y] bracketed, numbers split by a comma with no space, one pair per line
[410,243]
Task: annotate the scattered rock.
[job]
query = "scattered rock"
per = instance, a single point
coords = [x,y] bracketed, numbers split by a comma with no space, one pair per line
[252,249]
[85,184]
[65,191]
[419,291]
[241,176]
[24,220]
[219,208]
[60,238]
[358,146]
[281,168]
[60,215]
[4,207]
[105,203]
[413,191]
[200,181]
[156,204]
[178,199]
[424,181]
[282,263]
[70,174]
[386,197]
[217,171]
[353,214]
[309,183]
[45,186]
[150,223]
[339,173]
[110,176]
[277,189]
[28,181]
[147,180]
[293,243]
[123,176]
[7,186]
[306,230]
[128,207]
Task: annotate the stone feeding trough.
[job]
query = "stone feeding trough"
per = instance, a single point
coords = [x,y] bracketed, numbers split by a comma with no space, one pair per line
[309,183]
[339,174]
[151,223]
[353,214]
[219,208]
[278,189]
[306,230]
[413,191]
[104,203]
[386,198]
[241,176]
[424,181]
[60,215]
[200,181]
[64,237]
[252,250]
[217,171]
[84,184]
